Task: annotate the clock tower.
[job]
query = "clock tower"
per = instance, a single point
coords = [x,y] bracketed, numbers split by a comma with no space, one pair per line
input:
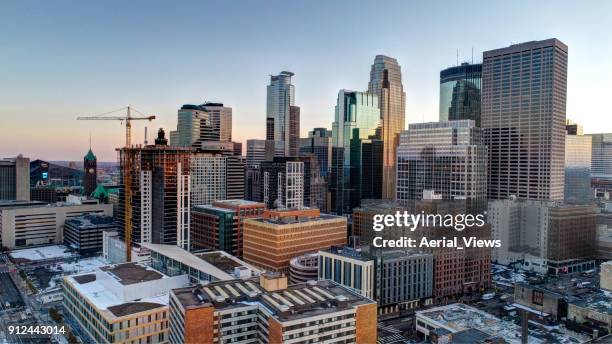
[90,180]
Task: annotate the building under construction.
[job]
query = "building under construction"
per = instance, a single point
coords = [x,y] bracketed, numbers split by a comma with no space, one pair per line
[156,207]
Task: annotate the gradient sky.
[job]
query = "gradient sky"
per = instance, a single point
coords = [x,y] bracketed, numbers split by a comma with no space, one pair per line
[61,59]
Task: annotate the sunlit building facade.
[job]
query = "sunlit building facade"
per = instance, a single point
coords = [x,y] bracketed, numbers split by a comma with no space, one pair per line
[460,93]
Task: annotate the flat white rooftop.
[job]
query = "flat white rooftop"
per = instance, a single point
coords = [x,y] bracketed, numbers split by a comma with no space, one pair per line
[42,253]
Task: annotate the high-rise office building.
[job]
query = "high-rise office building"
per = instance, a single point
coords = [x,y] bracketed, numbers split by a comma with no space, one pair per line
[446,157]
[272,241]
[294,130]
[220,118]
[237,148]
[319,144]
[199,125]
[287,182]
[90,166]
[524,89]
[15,179]
[357,118]
[460,93]
[256,152]
[215,177]
[577,166]
[601,156]
[280,99]
[255,155]
[386,83]
[160,184]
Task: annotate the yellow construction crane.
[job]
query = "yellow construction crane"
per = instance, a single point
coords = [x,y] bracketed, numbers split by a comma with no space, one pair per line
[126,164]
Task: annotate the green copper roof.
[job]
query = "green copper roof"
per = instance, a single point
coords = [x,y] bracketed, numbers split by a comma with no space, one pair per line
[90,156]
[99,192]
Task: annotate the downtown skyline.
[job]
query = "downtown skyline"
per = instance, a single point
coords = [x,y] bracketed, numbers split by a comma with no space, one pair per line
[86,68]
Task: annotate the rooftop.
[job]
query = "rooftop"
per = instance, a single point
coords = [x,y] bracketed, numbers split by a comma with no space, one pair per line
[218,264]
[295,302]
[125,289]
[459,317]
[131,273]
[42,253]
[91,221]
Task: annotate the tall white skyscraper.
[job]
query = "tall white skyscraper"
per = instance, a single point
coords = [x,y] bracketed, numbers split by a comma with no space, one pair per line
[280,100]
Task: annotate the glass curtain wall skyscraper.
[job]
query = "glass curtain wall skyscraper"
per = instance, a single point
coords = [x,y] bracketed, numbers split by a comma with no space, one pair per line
[357,118]
[386,83]
[524,90]
[460,93]
[281,98]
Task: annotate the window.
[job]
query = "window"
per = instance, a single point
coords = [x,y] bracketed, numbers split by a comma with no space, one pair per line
[537,297]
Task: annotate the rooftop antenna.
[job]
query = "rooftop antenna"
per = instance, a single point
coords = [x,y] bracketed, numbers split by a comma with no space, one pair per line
[472,54]
[145,141]
[457,57]
[90,140]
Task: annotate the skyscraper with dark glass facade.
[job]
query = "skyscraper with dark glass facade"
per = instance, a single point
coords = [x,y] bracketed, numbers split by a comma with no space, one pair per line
[460,93]
[357,120]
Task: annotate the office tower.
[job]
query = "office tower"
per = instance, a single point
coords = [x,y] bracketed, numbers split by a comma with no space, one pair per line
[30,223]
[220,118]
[117,303]
[269,311]
[446,157]
[280,99]
[460,93]
[15,179]
[577,166]
[319,144]
[237,148]
[548,237]
[219,226]
[90,167]
[396,279]
[294,130]
[386,83]
[572,128]
[215,177]
[601,156]
[256,152]
[285,182]
[196,124]
[272,241]
[45,194]
[524,90]
[84,233]
[160,189]
[208,178]
[357,117]
[370,155]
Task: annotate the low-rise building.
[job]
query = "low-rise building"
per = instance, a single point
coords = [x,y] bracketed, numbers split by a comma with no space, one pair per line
[272,241]
[201,267]
[396,279]
[269,311]
[29,223]
[304,268]
[84,233]
[125,303]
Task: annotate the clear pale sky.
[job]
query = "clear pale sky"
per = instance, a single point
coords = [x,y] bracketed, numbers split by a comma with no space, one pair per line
[61,59]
